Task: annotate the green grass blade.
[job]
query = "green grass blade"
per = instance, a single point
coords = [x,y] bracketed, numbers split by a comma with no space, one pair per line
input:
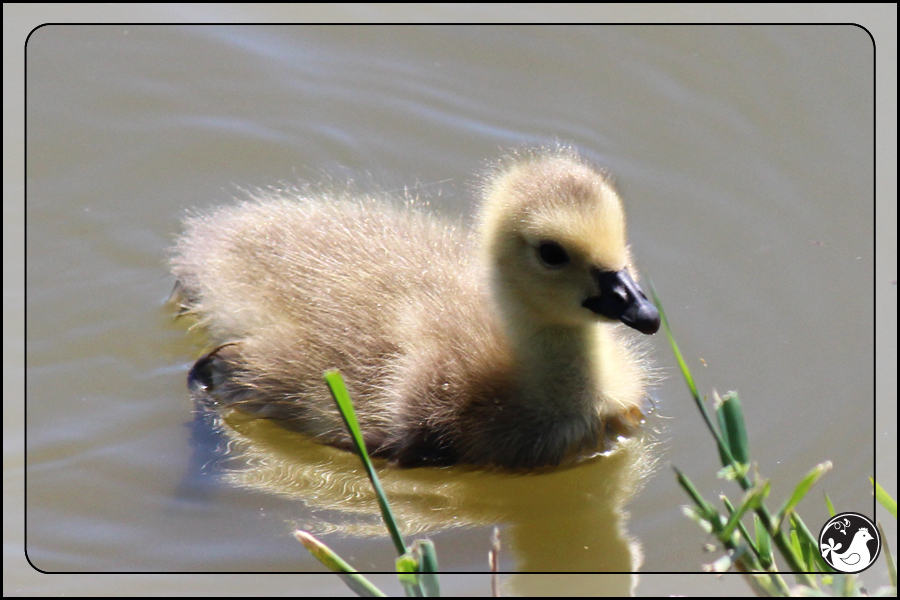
[417,570]
[685,371]
[884,498]
[689,379]
[807,550]
[746,535]
[812,541]
[795,544]
[428,567]
[706,509]
[802,489]
[795,562]
[345,406]
[723,428]
[752,500]
[734,430]
[408,574]
[763,543]
[325,555]
[705,514]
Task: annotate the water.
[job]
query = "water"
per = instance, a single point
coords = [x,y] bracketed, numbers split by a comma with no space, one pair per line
[744,156]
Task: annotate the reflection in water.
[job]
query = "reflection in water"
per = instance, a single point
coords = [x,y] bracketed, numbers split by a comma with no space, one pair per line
[566,519]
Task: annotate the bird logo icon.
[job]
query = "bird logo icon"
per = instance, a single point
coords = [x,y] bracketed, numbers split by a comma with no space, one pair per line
[849,542]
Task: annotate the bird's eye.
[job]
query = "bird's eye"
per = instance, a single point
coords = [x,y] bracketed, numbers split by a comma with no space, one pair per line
[552,255]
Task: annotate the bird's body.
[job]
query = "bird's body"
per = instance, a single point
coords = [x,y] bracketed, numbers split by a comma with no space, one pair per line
[856,556]
[493,346]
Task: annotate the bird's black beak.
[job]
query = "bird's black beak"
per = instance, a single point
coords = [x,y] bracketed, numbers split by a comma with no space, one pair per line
[621,299]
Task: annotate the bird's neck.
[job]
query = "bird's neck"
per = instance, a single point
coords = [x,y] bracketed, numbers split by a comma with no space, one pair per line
[557,365]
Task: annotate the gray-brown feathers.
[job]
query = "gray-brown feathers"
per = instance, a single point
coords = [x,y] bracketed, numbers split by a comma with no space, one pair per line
[456,346]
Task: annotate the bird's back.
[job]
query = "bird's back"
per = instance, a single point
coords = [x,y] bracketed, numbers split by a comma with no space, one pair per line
[385,293]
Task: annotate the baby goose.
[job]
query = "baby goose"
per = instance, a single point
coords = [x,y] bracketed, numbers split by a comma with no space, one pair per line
[497,346]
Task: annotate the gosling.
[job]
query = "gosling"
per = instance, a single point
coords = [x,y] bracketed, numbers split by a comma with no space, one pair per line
[502,346]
